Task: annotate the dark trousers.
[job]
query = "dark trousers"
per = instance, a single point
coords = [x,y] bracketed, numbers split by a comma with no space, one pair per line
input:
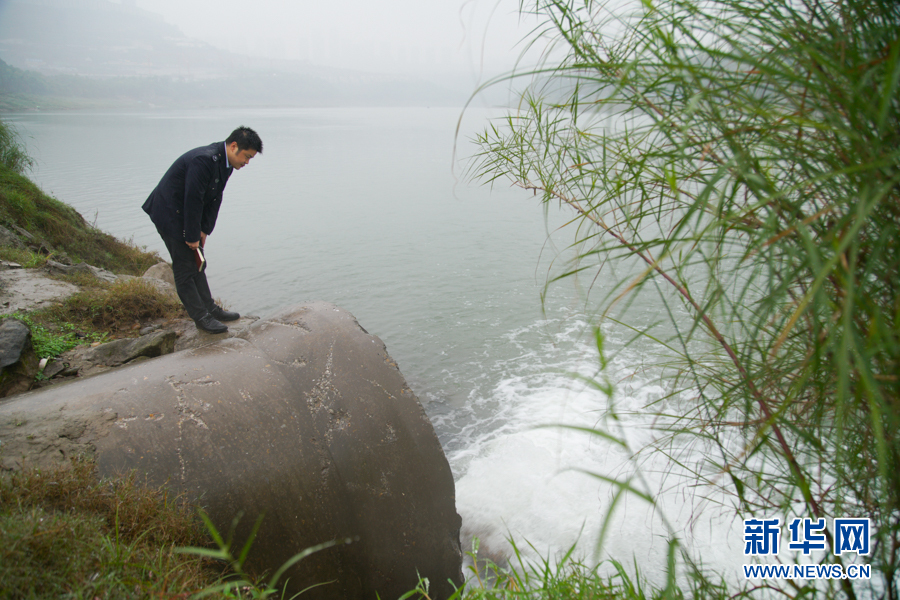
[191,285]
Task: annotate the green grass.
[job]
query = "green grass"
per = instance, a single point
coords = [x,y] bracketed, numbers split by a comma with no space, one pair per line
[27,258]
[64,534]
[12,152]
[563,579]
[50,343]
[98,312]
[117,309]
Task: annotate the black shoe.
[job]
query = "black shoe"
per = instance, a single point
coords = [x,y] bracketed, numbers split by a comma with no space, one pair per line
[224,315]
[210,325]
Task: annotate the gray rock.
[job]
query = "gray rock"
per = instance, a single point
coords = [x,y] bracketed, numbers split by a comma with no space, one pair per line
[162,278]
[14,339]
[95,359]
[154,341]
[29,237]
[119,352]
[18,361]
[162,286]
[161,272]
[33,242]
[305,419]
[9,239]
[149,329]
[30,289]
[54,368]
[101,274]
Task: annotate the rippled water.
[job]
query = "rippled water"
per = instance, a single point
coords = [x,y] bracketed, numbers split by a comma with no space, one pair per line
[365,208]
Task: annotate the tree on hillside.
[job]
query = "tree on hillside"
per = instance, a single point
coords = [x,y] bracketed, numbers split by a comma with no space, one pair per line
[747,154]
[17,81]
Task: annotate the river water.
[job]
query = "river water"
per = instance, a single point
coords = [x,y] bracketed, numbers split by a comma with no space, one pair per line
[367,208]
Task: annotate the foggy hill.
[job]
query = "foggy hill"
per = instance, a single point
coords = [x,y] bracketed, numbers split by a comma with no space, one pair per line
[100,50]
[99,38]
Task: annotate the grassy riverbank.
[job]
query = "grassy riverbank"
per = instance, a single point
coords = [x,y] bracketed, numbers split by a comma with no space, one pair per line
[61,228]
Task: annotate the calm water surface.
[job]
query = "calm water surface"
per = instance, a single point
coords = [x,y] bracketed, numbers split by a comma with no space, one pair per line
[366,208]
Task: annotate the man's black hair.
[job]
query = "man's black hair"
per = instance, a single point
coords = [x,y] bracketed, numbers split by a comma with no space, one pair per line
[246,139]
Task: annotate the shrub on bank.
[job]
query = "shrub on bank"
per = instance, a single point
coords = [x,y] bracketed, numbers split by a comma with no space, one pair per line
[23,204]
[115,308]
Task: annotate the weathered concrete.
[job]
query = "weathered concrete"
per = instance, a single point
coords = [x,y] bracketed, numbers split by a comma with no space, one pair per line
[190,337]
[305,419]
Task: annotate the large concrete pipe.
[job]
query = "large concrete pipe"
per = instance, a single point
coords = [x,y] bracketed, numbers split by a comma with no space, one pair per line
[303,418]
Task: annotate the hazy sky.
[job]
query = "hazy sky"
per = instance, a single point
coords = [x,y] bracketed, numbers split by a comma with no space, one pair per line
[459,36]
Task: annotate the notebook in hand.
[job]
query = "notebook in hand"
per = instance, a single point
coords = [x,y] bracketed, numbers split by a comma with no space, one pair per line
[199,258]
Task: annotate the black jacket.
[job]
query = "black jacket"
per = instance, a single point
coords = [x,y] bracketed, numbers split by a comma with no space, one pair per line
[186,200]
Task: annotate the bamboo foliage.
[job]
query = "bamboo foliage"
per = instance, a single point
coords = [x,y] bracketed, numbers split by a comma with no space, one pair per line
[747,154]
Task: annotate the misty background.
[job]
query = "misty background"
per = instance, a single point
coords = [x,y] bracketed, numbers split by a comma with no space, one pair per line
[200,53]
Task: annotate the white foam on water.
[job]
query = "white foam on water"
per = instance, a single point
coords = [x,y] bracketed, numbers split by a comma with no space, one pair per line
[520,478]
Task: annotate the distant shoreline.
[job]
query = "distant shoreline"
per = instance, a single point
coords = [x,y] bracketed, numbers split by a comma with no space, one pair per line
[13,103]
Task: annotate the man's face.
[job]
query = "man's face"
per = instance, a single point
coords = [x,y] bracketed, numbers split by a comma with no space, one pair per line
[238,158]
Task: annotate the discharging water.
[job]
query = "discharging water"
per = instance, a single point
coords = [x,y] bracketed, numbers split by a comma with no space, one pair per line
[361,207]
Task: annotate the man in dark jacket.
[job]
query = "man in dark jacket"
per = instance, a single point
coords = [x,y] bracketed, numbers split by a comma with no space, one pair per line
[184,206]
